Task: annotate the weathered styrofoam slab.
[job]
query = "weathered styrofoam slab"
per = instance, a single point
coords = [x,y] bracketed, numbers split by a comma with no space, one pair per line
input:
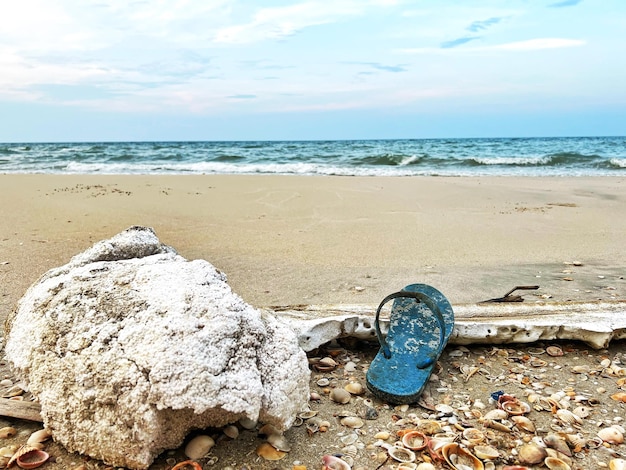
[594,323]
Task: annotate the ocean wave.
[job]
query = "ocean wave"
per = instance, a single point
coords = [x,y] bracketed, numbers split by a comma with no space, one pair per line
[617,163]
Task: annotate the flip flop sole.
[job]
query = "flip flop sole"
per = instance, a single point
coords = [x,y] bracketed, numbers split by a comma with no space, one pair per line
[414,342]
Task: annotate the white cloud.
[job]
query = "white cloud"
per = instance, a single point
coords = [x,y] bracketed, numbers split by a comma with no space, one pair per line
[528,45]
[275,23]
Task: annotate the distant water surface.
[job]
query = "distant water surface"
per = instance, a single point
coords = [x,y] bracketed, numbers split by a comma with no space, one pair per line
[572,156]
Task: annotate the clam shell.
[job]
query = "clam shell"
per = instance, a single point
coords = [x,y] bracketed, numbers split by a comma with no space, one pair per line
[496,414]
[486,452]
[516,407]
[279,442]
[199,446]
[531,454]
[353,422]
[554,351]
[401,454]
[326,364]
[31,458]
[334,463]
[28,457]
[425,466]
[414,440]
[612,435]
[339,395]
[473,436]
[617,464]
[569,418]
[382,435]
[554,463]
[269,452]
[619,396]
[231,431]
[460,458]
[355,388]
[307,414]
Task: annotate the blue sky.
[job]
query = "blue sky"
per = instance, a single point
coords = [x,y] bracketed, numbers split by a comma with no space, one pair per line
[241,69]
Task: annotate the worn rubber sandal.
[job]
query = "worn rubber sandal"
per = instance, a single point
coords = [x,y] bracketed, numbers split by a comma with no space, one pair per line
[420,326]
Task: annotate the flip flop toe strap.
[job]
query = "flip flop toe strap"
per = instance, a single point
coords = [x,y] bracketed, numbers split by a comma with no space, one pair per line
[419,297]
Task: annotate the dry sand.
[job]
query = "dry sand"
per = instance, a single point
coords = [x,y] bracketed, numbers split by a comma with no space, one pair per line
[287,240]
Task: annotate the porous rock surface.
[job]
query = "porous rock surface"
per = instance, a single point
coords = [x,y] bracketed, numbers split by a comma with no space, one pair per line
[130,346]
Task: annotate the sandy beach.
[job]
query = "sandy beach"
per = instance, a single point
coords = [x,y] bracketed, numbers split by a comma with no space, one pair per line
[289,240]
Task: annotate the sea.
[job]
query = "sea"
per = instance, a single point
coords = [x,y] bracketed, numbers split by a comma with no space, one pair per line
[562,156]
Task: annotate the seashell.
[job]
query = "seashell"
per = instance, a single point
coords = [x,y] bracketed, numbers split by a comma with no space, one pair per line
[353,422]
[468,371]
[351,438]
[516,407]
[407,466]
[231,431]
[473,435]
[496,414]
[370,413]
[531,454]
[8,451]
[582,411]
[339,395]
[279,442]
[7,432]
[382,435]
[444,409]
[402,408]
[558,455]
[577,441]
[38,437]
[187,463]
[554,351]
[581,369]
[497,425]
[323,382]
[460,458]
[617,464]
[486,452]
[268,430]
[314,396]
[307,414]
[14,391]
[554,463]
[247,423]
[28,457]
[330,462]
[619,396]
[325,364]
[355,388]
[523,423]
[569,418]
[401,454]
[425,466]
[536,362]
[612,435]
[269,452]
[414,440]
[557,443]
[199,446]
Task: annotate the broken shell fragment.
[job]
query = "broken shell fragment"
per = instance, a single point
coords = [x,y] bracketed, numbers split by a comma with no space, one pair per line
[619,396]
[269,452]
[231,431]
[38,437]
[617,464]
[473,436]
[557,443]
[199,446]
[523,423]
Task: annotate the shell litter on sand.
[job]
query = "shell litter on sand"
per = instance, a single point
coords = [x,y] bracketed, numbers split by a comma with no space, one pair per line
[485,407]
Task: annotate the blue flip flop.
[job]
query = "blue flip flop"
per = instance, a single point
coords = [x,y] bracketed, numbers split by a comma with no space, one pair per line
[420,326]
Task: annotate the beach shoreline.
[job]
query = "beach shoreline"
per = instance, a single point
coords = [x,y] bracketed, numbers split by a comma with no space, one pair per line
[291,240]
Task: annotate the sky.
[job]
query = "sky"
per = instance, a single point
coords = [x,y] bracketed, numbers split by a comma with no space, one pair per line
[125,70]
